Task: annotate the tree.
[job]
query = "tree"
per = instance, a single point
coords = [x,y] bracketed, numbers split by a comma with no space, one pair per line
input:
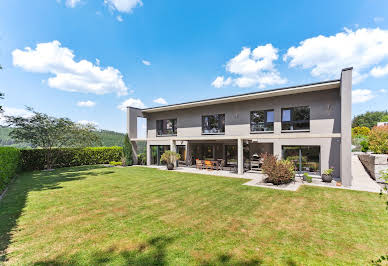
[44,131]
[378,139]
[384,118]
[369,119]
[127,150]
[1,95]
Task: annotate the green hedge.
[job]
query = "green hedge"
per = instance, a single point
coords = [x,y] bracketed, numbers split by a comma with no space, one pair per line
[9,165]
[34,159]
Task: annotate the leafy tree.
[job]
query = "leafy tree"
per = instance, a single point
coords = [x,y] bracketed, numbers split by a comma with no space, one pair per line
[384,118]
[44,131]
[378,139]
[369,119]
[127,150]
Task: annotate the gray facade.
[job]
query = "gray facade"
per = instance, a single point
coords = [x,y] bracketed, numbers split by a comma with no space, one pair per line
[330,123]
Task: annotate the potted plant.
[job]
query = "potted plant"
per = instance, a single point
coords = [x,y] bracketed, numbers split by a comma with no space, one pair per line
[307,177]
[327,175]
[170,158]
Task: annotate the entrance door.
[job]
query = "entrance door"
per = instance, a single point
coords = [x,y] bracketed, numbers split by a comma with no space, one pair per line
[156,152]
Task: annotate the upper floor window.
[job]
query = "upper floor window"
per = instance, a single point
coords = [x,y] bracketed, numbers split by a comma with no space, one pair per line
[213,124]
[296,118]
[262,121]
[166,127]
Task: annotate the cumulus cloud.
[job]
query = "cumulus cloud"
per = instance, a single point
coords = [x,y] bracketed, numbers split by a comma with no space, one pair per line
[137,103]
[160,101]
[72,3]
[145,62]
[125,6]
[252,68]
[87,122]
[327,55]
[360,96]
[87,103]
[69,75]
[379,71]
[10,111]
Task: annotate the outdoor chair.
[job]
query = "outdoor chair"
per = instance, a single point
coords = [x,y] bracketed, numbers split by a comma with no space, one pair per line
[208,165]
[221,163]
[199,164]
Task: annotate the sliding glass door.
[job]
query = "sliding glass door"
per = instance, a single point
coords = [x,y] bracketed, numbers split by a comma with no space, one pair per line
[156,152]
[305,158]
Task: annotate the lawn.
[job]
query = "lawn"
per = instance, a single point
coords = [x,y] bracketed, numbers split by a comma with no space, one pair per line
[137,215]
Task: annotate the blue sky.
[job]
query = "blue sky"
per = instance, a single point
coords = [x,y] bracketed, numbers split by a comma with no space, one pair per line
[87,58]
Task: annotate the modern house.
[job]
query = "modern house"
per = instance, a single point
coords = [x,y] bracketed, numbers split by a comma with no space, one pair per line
[307,124]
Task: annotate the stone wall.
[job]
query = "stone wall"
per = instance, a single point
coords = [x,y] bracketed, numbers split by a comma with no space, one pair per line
[374,163]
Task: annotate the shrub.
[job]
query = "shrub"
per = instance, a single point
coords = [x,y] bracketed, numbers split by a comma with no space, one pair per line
[170,157]
[378,139]
[127,151]
[142,159]
[363,131]
[115,163]
[308,178]
[364,144]
[278,172]
[34,159]
[9,165]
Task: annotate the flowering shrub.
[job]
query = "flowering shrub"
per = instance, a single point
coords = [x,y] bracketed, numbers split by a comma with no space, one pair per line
[378,139]
[277,171]
[363,131]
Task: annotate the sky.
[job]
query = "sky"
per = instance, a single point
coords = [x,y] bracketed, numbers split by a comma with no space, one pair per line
[89,59]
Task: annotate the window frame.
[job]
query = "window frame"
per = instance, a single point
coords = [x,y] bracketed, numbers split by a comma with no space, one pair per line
[265,118]
[293,122]
[175,127]
[213,133]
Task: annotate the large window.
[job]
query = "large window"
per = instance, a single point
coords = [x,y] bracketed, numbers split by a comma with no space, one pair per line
[156,152]
[305,158]
[262,121]
[166,127]
[213,124]
[296,118]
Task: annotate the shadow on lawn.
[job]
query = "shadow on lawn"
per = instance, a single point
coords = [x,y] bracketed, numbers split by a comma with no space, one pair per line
[11,206]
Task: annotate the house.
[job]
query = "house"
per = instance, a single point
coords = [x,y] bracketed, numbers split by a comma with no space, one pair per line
[307,124]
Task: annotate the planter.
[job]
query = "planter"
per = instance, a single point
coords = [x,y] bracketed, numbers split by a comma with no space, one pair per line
[170,166]
[327,178]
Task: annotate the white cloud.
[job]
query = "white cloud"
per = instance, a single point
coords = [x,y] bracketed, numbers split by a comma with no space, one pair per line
[326,56]
[72,3]
[82,76]
[119,18]
[137,103]
[383,90]
[160,101]
[87,103]
[379,71]
[360,96]
[220,81]
[10,111]
[378,19]
[86,122]
[252,68]
[145,62]
[124,6]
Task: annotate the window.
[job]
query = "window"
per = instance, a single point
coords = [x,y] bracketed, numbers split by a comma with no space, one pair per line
[156,153]
[166,127]
[262,121]
[296,118]
[304,158]
[213,124]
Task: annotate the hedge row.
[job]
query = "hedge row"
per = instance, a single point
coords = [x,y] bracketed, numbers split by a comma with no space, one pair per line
[34,159]
[9,165]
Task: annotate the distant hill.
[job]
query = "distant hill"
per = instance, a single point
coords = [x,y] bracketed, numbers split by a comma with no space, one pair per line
[108,139]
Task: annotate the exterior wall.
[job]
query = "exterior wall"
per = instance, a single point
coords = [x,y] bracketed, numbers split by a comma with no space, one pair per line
[324,115]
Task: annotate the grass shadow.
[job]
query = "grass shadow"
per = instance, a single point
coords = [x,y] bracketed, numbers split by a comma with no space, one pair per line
[12,205]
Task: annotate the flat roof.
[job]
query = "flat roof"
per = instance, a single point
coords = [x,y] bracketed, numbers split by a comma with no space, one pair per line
[324,85]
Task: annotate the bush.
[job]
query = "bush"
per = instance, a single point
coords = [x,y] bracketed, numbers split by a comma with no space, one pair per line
[142,159]
[278,172]
[115,163]
[378,139]
[364,144]
[127,151]
[9,165]
[34,159]
[363,131]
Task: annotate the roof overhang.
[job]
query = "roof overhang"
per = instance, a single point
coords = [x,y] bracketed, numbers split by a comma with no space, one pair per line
[326,85]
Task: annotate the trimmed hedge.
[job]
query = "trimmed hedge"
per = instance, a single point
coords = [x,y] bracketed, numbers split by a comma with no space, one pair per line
[9,165]
[34,159]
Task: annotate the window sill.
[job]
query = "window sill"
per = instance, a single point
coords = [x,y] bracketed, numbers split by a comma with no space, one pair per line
[167,135]
[296,131]
[261,132]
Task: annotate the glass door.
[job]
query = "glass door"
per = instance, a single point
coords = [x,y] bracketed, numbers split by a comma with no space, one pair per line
[156,152]
[305,158]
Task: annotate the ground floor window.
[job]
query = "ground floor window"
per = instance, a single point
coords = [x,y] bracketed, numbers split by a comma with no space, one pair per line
[231,154]
[181,149]
[156,152]
[305,158]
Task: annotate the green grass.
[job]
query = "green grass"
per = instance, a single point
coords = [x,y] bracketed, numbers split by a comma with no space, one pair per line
[135,215]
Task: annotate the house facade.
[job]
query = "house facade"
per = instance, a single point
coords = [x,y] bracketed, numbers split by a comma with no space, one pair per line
[307,124]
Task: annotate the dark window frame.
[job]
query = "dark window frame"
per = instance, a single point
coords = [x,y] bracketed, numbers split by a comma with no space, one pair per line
[174,127]
[289,126]
[220,125]
[265,124]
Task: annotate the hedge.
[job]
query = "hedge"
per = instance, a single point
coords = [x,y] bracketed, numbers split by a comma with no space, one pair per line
[34,159]
[9,165]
